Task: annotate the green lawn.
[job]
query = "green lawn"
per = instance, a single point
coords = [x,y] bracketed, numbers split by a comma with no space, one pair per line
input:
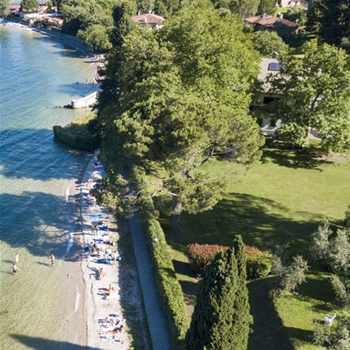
[282,199]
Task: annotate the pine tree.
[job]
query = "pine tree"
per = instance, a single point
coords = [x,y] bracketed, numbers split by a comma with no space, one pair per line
[221,317]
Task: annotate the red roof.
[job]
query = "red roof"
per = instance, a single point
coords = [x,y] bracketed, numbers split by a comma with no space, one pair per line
[149,18]
[270,21]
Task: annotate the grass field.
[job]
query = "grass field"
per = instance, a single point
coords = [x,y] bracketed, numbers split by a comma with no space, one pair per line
[282,199]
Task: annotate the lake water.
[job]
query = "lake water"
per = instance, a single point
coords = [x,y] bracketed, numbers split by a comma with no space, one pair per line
[37,74]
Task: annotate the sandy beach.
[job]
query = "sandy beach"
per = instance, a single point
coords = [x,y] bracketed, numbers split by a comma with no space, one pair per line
[98,321]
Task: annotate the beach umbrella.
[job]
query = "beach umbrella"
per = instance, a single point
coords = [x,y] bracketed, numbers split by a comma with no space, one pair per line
[96,177]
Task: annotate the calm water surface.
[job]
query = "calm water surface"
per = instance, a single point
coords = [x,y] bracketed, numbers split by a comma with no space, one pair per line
[37,74]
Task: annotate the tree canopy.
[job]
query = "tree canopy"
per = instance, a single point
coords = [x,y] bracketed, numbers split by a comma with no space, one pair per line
[4,7]
[221,316]
[331,18]
[29,5]
[90,20]
[269,42]
[267,6]
[183,98]
[314,93]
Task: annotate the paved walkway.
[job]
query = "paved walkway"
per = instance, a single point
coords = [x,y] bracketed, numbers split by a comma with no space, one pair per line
[158,325]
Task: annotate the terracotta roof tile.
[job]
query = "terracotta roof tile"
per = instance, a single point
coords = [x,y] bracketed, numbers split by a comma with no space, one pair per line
[270,21]
[149,18]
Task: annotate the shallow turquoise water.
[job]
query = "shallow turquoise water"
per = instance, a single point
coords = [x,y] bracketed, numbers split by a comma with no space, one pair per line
[37,74]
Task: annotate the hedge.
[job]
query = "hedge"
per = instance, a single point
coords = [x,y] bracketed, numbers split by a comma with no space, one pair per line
[168,284]
[258,263]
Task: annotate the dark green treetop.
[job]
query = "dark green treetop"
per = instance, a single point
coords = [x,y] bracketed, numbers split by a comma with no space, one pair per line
[221,316]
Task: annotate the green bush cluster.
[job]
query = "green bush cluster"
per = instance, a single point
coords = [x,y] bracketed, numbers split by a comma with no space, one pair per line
[168,284]
[80,141]
[201,255]
[258,263]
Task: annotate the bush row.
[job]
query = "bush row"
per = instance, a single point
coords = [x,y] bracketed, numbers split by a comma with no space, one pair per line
[84,142]
[258,263]
[168,284]
[201,255]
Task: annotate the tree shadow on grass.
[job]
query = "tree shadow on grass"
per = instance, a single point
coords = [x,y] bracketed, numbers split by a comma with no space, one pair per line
[293,158]
[317,288]
[183,268]
[268,330]
[261,222]
[300,335]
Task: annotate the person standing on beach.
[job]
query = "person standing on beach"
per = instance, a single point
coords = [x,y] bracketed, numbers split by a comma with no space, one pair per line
[15,268]
[52,257]
[16,258]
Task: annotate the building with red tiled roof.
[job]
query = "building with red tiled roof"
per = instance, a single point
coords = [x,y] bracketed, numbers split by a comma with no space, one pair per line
[270,22]
[149,19]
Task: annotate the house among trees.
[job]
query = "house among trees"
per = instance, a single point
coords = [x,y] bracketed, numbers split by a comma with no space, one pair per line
[288,3]
[268,66]
[269,22]
[149,19]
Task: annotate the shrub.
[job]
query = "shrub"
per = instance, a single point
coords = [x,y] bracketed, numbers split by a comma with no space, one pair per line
[258,263]
[201,255]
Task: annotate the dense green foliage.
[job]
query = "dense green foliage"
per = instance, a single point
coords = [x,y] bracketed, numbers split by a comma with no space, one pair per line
[202,255]
[244,8]
[29,5]
[333,250]
[267,6]
[221,317]
[314,93]
[339,339]
[168,285]
[4,7]
[183,99]
[331,19]
[91,20]
[258,263]
[269,42]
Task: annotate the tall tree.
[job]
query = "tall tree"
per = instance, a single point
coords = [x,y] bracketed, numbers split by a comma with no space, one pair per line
[221,316]
[123,23]
[332,17]
[243,8]
[29,5]
[269,42]
[267,6]
[315,93]
[184,97]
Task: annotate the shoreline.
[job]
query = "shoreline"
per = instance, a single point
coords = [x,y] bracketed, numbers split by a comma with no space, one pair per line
[71,41]
[88,305]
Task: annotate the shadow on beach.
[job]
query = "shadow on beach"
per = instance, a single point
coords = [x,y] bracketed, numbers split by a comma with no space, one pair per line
[41,343]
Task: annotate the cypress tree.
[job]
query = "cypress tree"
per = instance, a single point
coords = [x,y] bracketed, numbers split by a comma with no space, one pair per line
[221,316]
